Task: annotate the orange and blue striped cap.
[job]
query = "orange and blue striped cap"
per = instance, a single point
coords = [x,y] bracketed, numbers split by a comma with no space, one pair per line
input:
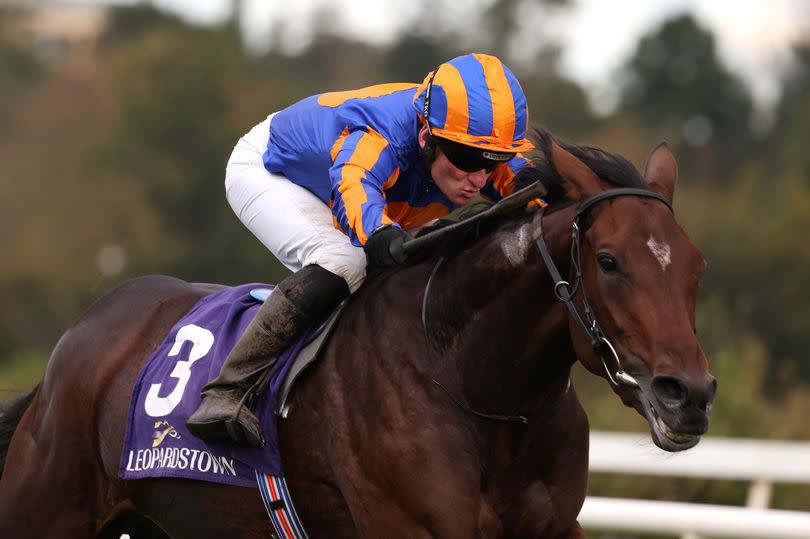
[477,101]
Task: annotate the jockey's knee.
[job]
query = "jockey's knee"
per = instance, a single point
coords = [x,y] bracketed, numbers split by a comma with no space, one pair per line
[347,261]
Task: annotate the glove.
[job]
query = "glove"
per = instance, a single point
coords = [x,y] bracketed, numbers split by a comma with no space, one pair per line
[384,247]
[461,214]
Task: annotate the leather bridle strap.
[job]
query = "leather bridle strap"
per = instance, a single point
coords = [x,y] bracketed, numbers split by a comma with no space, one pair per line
[565,293]
[586,204]
[562,287]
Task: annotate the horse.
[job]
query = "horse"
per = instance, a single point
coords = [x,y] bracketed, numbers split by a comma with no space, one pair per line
[442,404]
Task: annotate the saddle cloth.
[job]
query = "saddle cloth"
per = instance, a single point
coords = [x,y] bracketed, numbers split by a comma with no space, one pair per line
[167,392]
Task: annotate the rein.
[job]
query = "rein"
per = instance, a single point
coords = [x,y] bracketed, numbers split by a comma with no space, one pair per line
[458,402]
[566,293]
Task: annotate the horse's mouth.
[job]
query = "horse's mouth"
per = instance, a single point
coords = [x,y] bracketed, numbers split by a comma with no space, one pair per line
[663,436]
[674,441]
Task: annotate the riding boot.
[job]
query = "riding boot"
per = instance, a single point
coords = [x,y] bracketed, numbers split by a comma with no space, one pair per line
[298,302]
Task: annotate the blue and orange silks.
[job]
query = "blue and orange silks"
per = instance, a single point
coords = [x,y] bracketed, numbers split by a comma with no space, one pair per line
[358,152]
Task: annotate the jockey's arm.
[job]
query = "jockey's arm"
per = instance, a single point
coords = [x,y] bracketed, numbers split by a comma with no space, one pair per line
[364,165]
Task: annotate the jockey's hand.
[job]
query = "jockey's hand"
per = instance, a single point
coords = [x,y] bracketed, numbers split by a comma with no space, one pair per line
[383,247]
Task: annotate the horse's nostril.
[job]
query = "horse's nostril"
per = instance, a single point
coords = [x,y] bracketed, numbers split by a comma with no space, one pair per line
[669,390]
[708,396]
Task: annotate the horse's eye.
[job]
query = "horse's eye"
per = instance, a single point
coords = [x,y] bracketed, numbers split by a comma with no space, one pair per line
[607,262]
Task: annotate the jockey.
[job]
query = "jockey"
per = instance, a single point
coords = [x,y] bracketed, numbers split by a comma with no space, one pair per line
[332,182]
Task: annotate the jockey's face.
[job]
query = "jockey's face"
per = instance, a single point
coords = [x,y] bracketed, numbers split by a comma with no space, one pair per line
[459,186]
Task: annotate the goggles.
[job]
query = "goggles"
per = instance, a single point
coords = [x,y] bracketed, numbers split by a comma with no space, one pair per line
[469,159]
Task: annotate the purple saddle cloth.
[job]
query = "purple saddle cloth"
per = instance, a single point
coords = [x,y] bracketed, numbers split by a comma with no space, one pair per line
[167,392]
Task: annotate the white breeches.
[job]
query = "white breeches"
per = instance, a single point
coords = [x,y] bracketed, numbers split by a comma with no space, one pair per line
[289,220]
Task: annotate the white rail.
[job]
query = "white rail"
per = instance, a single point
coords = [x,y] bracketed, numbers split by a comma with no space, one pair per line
[762,462]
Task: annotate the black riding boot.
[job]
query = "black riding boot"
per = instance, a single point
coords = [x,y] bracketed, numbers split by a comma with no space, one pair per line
[299,301]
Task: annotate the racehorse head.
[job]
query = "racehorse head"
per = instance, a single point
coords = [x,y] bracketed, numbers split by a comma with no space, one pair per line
[634,284]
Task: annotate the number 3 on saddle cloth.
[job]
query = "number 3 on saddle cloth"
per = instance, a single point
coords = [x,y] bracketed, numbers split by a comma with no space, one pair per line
[167,392]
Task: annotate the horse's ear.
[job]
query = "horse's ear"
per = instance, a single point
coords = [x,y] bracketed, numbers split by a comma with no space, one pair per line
[579,180]
[661,171]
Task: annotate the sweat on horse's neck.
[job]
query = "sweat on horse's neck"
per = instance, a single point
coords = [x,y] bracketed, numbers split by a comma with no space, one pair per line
[493,319]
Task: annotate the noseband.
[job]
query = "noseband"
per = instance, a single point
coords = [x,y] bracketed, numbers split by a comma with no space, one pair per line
[565,292]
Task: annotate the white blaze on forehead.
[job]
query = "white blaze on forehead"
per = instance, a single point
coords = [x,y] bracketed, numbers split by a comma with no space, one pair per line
[516,246]
[661,252]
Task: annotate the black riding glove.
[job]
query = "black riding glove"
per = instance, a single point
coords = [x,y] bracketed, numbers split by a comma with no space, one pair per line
[384,247]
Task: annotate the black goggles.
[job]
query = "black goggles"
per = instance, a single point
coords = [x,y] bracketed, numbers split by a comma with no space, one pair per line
[471,159]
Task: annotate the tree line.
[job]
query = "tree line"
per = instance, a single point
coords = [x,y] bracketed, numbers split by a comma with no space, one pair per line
[114,160]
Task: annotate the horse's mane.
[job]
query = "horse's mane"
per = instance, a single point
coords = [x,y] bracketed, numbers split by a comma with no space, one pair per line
[610,167]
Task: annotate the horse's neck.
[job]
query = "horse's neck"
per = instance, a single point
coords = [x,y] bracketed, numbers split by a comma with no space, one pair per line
[502,334]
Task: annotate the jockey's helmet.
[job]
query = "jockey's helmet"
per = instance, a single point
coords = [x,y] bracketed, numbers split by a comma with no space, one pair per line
[476,101]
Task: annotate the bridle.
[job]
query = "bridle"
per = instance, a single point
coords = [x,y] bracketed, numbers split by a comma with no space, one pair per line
[505,418]
[563,291]
[566,293]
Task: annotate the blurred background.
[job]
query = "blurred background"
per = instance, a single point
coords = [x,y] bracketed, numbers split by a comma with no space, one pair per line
[117,119]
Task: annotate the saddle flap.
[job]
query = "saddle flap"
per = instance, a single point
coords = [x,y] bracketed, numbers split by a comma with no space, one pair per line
[309,352]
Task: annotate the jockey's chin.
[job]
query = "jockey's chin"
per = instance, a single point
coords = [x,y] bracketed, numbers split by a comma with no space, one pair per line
[463,197]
